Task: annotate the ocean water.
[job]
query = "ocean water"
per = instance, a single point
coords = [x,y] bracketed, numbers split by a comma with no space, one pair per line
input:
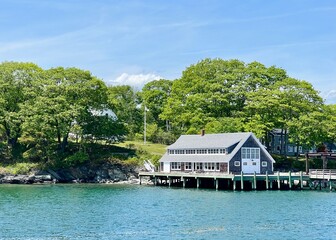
[146,212]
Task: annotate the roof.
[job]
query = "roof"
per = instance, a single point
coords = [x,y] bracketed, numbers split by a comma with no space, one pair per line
[222,140]
[196,158]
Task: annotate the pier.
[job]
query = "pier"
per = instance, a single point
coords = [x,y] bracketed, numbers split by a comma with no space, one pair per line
[275,181]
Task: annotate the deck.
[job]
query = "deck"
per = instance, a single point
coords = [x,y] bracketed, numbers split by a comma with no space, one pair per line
[277,180]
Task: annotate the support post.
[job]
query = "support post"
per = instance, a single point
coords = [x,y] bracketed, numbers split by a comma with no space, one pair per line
[169,181]
[307,163]
[198,182]
[266,180]
[140,180]
[155,181]
[216,183]
[234,185]
[278,178]
[301,180]
[271,184]
[290,179]
[254,181]
[242,180]
[183,181]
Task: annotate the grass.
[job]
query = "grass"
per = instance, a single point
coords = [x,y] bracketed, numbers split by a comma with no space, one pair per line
[152,148]
[19,168]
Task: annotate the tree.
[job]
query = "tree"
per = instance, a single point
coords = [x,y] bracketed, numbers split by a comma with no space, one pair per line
[16,87]
[124,103]
[215,88]
[64,97]
[154,96]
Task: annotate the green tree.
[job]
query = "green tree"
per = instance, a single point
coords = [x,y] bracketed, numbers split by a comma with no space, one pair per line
[16,81]
[64,97]
[215,88]
[154,96]
[123,101]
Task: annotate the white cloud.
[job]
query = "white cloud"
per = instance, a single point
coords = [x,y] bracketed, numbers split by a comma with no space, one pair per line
[331,97]
[135,80]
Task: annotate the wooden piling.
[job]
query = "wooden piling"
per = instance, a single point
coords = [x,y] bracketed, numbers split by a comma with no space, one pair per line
[290,179]
[216,183]
[234,185]
[183,181]
[242,180]
[254,181]
[169,181]
[278,179]
[266,180]
[198,182]
[301,180]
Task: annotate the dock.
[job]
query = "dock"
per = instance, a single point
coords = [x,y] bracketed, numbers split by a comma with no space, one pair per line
[315,179]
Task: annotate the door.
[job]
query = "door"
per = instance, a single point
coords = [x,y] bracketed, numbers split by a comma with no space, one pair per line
[251,166]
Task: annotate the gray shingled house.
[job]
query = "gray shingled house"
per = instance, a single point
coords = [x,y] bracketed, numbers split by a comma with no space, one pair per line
[222,153]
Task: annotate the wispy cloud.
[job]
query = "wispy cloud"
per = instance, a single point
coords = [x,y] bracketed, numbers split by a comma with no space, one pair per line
[330,97]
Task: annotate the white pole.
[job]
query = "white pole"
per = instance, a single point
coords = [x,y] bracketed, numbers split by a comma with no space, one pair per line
[145,126]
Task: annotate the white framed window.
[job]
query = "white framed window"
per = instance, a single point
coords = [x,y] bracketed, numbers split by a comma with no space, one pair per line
[171,152]
[198,166]
[222,151]
[250,153]
[264,164]
[175,166]
[217,167]
[209,166]
[245,163]
[187,166]
[237,163]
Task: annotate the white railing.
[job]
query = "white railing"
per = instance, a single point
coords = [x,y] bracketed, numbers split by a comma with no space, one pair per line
[322,173]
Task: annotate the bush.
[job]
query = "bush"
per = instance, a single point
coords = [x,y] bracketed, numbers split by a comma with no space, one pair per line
[76,159]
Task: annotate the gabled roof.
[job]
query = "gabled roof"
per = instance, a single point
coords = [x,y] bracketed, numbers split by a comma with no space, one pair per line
[222,140]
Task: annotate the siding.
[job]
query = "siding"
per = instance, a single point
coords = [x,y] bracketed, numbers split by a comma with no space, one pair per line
[250,142]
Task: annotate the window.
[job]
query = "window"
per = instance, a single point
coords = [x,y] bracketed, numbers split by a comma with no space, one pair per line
[171,152]
[245,163]
[264,164]
[198,166]
[176,166]
[210,166]
[187,166]
[250,153]
[217,166]
[290,149]
[237,163]
[222,151]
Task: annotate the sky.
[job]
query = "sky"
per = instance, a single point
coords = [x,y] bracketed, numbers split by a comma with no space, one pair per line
[133,42]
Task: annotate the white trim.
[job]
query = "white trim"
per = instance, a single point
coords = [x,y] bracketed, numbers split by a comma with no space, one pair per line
[237,163]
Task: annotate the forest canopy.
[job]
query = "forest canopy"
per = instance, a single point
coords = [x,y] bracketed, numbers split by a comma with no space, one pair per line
[42,110]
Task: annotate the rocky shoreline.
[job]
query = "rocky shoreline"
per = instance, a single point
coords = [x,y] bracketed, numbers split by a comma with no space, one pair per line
[107,173]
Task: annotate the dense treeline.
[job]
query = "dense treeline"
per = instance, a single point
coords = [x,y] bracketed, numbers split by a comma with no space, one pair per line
[230,96]
[40,110]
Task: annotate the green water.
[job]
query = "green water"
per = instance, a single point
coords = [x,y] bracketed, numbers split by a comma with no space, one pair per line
[140,212]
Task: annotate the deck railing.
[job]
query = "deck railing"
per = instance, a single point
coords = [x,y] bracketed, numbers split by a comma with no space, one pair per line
[322,173]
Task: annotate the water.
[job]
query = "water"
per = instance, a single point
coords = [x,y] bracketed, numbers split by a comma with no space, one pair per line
[146,212]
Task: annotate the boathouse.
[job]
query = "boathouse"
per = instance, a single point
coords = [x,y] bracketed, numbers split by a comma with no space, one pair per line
[226,153]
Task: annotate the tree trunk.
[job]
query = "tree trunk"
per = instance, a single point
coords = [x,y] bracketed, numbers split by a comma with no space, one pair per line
[64,143]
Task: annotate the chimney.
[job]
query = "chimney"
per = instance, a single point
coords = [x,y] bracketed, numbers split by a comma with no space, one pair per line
[202,132]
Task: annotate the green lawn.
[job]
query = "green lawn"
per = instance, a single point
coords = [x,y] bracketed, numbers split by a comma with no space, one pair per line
[152,148]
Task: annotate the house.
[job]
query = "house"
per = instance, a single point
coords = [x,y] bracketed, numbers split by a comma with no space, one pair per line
[221,153]
[279,142]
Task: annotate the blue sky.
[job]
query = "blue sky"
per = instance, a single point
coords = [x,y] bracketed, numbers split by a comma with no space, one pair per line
[133,42]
